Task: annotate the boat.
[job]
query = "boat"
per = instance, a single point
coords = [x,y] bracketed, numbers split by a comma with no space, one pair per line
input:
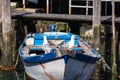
[57,56]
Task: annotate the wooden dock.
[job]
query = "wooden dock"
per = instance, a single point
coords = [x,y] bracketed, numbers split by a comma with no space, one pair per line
[61,17]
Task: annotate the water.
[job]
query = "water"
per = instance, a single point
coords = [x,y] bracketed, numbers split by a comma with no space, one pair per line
[17,74]
[13,75]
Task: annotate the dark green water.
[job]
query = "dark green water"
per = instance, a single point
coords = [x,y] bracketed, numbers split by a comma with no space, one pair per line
[12,75]
[17,74]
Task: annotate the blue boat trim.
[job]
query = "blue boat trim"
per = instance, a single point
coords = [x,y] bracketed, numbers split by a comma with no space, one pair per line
[85,58]
[39,39]
[73,49]
[40,58]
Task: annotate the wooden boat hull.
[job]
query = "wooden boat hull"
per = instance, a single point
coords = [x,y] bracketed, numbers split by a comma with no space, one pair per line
[58,70]
[44,60]
[53,70]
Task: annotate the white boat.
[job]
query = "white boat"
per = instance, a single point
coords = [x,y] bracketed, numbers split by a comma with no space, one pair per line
[57,56]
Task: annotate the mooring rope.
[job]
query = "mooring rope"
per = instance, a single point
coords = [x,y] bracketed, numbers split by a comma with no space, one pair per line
[87,49]
[17,60]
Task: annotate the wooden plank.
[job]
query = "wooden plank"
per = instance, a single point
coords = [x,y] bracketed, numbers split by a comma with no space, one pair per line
[62,17]
[117,20]
[76,6]
[66,17]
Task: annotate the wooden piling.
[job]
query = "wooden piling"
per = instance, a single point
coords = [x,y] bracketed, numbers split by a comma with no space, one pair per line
[69,6]
[24,4]
[6,58]
[96,32]
[118,50]
[47,6]
[114,66]
[87,7]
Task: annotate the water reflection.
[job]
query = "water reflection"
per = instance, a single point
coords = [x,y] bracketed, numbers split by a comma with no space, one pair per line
[17,74]
[12,75]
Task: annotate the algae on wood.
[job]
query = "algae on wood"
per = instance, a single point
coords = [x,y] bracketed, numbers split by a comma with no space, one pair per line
[114,67]
[96,32]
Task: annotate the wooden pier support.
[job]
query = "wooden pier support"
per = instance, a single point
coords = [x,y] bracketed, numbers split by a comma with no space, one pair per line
[114,66]
[47,6]
[118,50]
[24,2]
[96,32]
[0,27]
[6,58]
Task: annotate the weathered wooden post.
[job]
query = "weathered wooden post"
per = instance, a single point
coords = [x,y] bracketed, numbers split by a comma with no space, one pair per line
[6,58]
[96,31]
[47,6]
[96,13]
[70,1]
[119,51]
[24,4]
[0,10]
[87,1]
[0,13]
[114,67]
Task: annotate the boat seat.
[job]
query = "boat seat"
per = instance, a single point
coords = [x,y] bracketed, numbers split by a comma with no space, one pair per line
[38,39]
[38,42]
[29,41]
